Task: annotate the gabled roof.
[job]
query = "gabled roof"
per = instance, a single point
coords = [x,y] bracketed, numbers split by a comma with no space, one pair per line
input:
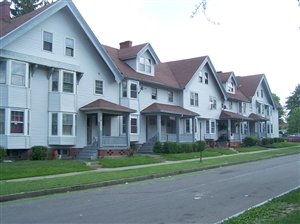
[168,109]
[183,70]
[238,96]
[249,85]
[163,74]
[224,76]
[105,105]
[19,26]
[257,117]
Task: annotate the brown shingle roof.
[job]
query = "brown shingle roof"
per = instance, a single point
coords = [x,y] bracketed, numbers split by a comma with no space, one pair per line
[6,28]
[225,115]
[163,74]
[238,96]
[224,76]
[169,109]
[249,84]
[183,70]
[130,52]
[101,104]
[257,117]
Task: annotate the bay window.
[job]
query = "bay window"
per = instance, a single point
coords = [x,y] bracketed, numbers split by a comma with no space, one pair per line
[67,124]
[17,122]
[68,82]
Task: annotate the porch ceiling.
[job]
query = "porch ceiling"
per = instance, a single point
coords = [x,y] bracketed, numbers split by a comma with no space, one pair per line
[104,105]
[168,109]
[225,115]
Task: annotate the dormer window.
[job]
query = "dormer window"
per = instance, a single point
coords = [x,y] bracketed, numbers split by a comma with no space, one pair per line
[145,65]
[230,87]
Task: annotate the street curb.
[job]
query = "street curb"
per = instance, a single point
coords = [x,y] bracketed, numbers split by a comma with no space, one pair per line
[23,195]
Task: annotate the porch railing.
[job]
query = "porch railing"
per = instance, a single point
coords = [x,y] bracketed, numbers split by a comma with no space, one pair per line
[114,141]
[172,137]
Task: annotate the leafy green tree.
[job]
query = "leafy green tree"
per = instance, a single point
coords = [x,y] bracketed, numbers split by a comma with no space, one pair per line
[294,121]
[21,7]
[293,101]
[281,112]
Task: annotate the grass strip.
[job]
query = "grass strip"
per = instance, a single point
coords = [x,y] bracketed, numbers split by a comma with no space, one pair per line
[7,188]
[284,209]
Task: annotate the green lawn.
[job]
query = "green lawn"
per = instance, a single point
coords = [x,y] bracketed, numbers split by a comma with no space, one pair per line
[128,161]
[32,168]
[7,188]
[284,209]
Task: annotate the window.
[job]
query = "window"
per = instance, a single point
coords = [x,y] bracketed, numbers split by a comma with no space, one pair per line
[133,90]
[240,107]
[244,107]
[124,128]
[18,73]
[54,124]
[68,82]
[230,87]
[2,72]
[2,121]
[55,81]
[124,89]
[69,47]
[47,41]
[262,93]
[187,126]
[67,125]
[145,65]
[230,105]
[206,78]
[133,125]
[98,87]
[212,127]
[213,103]
[200,77]
[207,126]
[194,101]
[154,94]
[170,96]
[17,122]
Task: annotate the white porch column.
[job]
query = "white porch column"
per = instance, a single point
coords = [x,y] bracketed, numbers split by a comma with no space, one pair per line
[158,124]
[100,131]
[177,128]
[128,129]
[193,128]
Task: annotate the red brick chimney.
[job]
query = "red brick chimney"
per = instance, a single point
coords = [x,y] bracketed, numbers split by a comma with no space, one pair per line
[125,44]
[5,11]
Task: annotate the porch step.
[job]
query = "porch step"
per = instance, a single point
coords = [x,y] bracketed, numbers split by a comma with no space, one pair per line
[146,148]
[88,153]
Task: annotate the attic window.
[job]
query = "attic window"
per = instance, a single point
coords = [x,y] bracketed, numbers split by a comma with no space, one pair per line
[230,87]
[206,78]
[145,65]
[47,41]
[69,47]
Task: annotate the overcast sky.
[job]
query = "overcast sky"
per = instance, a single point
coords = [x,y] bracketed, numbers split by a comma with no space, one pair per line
[244,36]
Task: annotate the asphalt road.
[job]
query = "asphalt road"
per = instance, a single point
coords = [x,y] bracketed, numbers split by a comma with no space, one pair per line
[200,197]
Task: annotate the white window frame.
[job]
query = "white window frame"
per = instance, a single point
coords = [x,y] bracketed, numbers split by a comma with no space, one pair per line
[194,99]
[212,103]
[47,41]
[154,93]
[60,124]
[69,47]
[56,125]
[206,75]
[2,121]
[124,86]
[25,76]
[145,65]
[188,126]
[99,90]
[3,71]
[133,93]
[134,117]
[171,96]
[24,122]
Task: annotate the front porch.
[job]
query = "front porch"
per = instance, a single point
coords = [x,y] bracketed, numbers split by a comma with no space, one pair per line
[105,135]
[168,123]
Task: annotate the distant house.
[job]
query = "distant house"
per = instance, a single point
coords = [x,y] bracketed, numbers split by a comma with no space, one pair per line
[61,88]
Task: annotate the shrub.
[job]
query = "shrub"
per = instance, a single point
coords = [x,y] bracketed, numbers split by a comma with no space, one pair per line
[2,153]
[278,139]
[186,147]
[157,148]
[171,147]
[39,152]
[200,146]
[267,141]
[250,141]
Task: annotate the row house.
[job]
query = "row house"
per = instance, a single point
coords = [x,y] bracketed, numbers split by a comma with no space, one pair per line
[62,89]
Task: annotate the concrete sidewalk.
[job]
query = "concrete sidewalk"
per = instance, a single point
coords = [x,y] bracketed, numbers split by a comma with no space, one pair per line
[133,167]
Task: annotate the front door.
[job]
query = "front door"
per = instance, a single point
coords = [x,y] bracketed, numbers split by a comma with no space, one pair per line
[92,134]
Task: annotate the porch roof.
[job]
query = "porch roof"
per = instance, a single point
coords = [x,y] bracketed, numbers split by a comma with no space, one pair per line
[101,104]
[225,115]
[168,109]
[257,117]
